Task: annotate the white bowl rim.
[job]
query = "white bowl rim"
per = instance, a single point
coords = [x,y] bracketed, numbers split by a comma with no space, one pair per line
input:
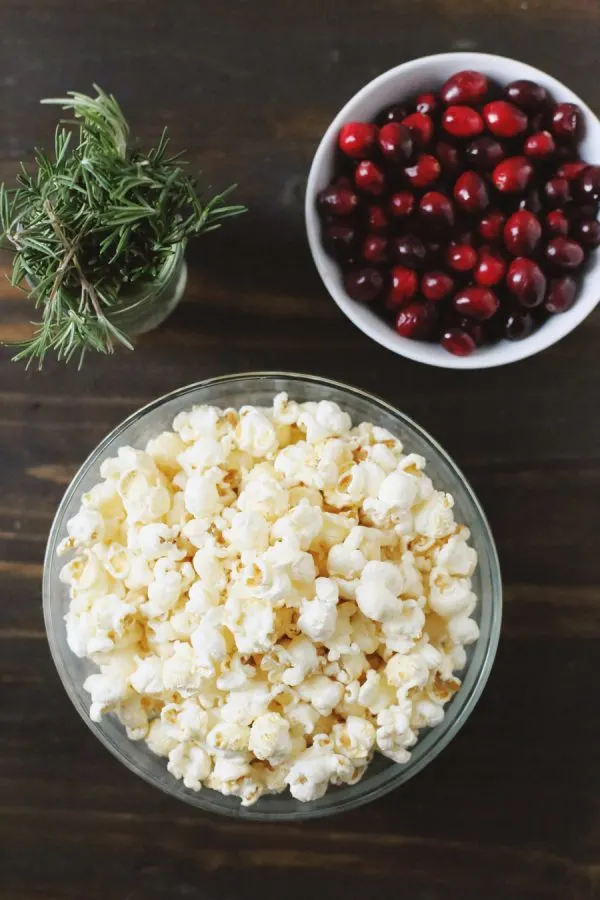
[431,354]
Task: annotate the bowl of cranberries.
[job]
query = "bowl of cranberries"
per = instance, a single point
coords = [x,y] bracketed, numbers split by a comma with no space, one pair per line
[452,210]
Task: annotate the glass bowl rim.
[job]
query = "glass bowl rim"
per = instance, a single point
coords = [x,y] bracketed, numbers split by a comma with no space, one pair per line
[403,774]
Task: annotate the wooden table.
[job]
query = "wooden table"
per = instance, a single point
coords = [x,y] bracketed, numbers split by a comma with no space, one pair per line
[511,809]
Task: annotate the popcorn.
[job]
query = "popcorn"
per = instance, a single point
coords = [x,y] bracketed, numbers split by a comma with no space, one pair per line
[271,596]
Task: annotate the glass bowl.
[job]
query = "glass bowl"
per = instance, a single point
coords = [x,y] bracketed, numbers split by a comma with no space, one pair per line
[258,389]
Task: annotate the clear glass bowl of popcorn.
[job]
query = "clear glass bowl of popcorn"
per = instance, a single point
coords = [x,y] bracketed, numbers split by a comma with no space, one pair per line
[259,389]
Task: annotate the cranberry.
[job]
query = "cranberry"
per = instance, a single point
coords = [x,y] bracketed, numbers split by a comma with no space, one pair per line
[570,170]
[527,94]
[566,120]
[564,253]
[587,232]
[471,192]
[588,183]
[409,250]
[522,233]
[557,192]
[369,178]
[465,87]
[490,270]
[512,175]
[337,201]
[426,103]
[421,127]
[518,325]
[473,328]
[395,113]
[557,222]
[363,285]
[425,171]
[404,286]
[476,302]
[461,257]
[491,225]
[503,119]
[437,209]
[458,342]
[339,241]
[377,219]
[448,157]
[402,204]
[485,153]
[436,286]
[531,202]
[416,320]
[395,142]
[462,121]
[357,139]
[374,248]
[526,281]
[561,294]
[539,145]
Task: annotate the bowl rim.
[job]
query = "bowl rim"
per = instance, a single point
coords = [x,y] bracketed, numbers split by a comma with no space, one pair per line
[310,811]
[417,350]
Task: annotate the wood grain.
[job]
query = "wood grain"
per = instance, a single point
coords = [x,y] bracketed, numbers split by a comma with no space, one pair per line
[511,809]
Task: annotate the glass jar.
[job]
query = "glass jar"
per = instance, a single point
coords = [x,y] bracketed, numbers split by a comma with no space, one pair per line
[145,308]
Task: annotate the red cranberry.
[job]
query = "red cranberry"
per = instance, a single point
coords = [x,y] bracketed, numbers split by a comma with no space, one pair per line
[416,320]
[404,286]
[471,192]
[527,94]
[357,139]
[462,121]
[485,153]
[421,127]
[437,209]
[526,281]
[436,286]
[570,170]
[458,342]
[587,232]
[539,145]
[588,183]
[512,175]
[561,294]
[409,250]
[337,201]
[363,285]
[425,171]
[557,192]
[369,178]
[476,302]
[491,226]
[395,142]
[426,103]
[339,241]
[396,113]
[491,269]
[531,202]
[461,257]
[503,119]
[518,325]
[522,233]
[465,87]
[374,248]
[377,220]
[402,204]
[448,157]
[564,253]
[567,120]
[557,222]
[473,328]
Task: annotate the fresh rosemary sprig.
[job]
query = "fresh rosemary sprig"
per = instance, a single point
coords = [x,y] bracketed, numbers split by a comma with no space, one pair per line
[94,222]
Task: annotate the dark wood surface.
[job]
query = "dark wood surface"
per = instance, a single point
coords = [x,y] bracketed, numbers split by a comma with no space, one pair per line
[511,810]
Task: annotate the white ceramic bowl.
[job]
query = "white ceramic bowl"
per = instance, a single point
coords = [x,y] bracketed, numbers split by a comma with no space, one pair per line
[422,74]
